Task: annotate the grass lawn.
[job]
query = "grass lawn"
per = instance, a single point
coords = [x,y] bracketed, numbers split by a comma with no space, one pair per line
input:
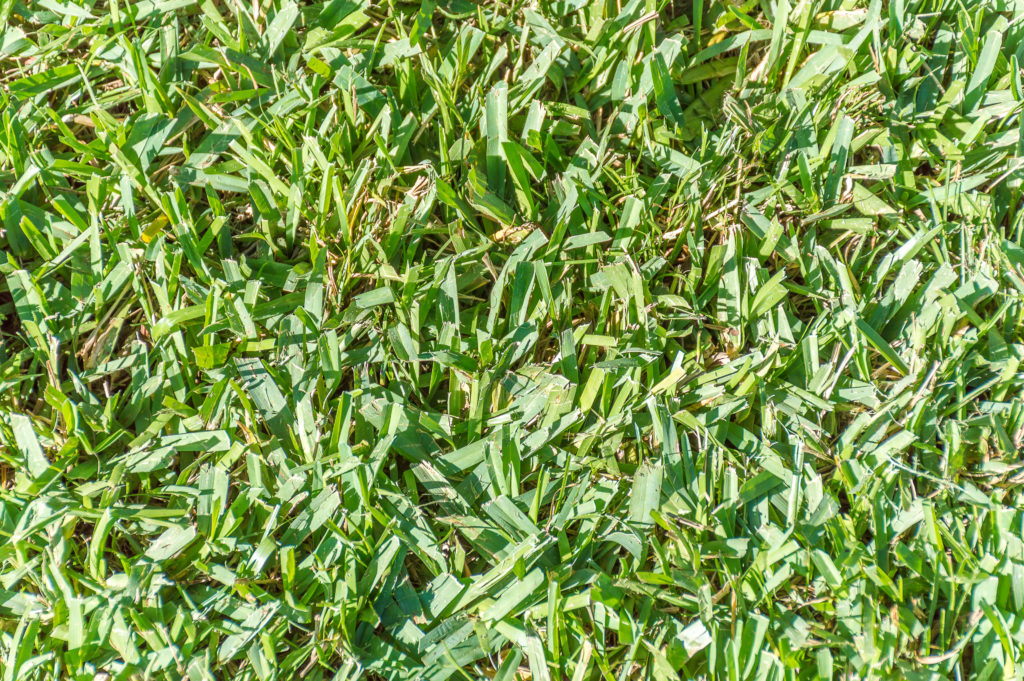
[552,340]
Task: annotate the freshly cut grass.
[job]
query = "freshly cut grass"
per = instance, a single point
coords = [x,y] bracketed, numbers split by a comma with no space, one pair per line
[555,340]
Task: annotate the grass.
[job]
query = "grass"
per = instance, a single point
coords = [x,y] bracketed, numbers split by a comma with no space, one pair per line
[554,340]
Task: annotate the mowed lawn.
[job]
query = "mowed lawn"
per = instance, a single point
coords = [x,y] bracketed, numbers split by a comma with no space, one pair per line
[551,340]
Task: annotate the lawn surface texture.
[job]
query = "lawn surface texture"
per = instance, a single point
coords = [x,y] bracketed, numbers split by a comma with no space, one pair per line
[552,340]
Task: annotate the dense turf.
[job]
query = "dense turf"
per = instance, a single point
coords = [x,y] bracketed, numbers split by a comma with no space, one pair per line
[556,340]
